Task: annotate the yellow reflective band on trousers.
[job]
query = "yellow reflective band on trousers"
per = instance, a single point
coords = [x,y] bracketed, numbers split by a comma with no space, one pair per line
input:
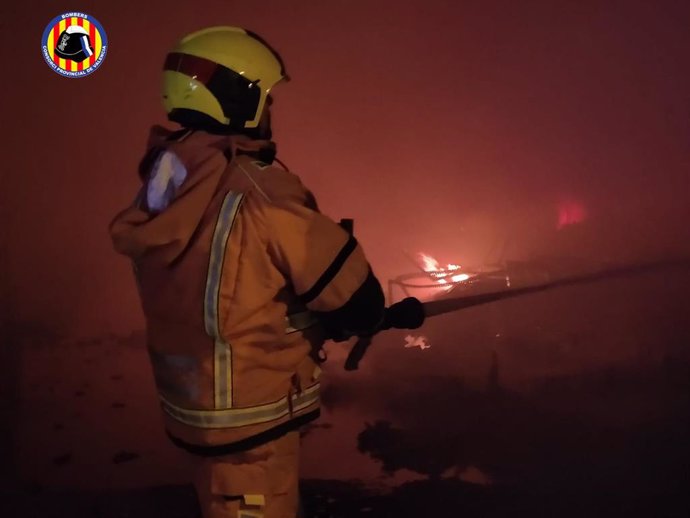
[236,417]
[222,363]
[252,507]
[256,500]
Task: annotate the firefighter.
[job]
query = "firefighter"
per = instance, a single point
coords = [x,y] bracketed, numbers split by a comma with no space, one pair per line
[240,277]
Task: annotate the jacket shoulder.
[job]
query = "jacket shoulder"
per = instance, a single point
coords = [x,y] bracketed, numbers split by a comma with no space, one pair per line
[280,186]
[193,149]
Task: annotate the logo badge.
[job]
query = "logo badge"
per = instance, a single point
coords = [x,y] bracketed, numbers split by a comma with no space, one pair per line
[74,44]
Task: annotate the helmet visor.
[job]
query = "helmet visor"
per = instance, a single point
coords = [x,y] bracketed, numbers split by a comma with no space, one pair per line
[237,95]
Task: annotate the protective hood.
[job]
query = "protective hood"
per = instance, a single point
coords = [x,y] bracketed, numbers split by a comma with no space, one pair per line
[181,173]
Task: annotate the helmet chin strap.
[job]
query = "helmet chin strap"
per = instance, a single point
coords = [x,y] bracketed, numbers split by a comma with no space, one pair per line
[263,130]
[265,154]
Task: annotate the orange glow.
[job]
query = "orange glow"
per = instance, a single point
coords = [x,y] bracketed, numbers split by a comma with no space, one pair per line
[443,276]
[429,263]
[571,213]
[420,341]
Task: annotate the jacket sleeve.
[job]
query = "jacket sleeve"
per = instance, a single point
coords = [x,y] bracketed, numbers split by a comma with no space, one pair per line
[326,267]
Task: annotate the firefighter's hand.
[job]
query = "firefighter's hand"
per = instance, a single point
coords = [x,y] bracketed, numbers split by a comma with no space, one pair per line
[406,314]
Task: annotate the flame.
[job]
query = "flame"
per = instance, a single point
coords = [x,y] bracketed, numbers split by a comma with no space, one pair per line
[446,277]
[430,264]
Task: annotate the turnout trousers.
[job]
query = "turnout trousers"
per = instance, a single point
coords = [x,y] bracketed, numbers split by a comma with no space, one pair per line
[259,483]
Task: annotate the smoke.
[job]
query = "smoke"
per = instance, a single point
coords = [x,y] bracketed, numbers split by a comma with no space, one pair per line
[446,127]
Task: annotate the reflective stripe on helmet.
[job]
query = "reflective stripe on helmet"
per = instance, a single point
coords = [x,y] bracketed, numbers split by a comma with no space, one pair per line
[222,350]
[236,417]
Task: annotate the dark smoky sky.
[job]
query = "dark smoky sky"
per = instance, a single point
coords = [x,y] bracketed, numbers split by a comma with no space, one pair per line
[442,126]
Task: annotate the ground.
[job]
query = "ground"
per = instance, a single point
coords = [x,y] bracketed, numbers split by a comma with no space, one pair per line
[513,411]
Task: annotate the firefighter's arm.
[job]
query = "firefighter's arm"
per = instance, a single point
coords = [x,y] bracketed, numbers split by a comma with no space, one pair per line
[327,268]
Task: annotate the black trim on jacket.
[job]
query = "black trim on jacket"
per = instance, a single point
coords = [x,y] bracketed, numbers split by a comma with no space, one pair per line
[361,315]
[331,272]
[245,444]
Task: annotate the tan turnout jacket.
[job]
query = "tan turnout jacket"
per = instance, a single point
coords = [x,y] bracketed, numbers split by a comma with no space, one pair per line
[228,265]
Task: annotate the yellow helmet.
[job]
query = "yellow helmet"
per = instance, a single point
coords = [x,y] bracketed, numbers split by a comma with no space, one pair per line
[219,78]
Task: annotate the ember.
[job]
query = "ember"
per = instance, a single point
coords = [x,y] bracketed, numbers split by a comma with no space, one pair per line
[417,341]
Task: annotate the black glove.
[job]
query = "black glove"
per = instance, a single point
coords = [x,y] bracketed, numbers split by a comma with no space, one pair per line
[406,314]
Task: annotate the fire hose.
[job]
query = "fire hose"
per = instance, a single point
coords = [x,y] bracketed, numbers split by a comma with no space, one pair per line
[410,313]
